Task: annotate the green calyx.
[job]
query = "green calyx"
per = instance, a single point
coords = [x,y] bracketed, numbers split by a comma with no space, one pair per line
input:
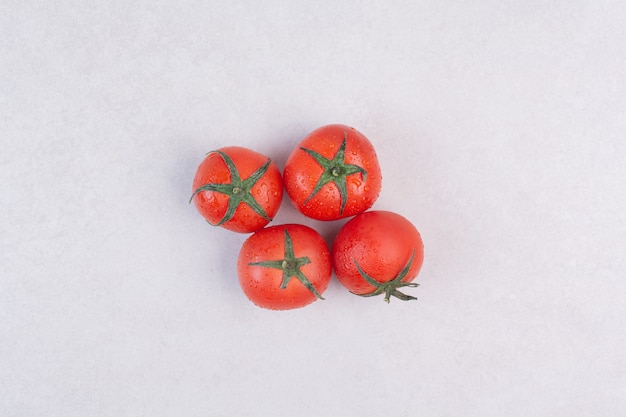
[238,190]
[390,288]
[290,266]
[335,171]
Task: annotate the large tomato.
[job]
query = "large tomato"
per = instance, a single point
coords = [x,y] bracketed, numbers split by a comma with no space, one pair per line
[333,173]
[284,267]
[238,189]
[378,252]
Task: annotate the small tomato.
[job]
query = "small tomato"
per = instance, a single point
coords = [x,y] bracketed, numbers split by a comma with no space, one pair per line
[333,173]
[378,252]
[284,267]
[238,189]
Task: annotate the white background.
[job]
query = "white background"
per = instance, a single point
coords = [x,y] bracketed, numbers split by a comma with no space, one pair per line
[500,128]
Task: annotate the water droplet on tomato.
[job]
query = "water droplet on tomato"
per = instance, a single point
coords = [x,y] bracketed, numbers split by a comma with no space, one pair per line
[356,182]
[264,193]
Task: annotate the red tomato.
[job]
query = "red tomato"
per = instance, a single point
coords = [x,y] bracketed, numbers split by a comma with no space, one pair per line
[238,189]
[378,252]
[284,267]
[333,174]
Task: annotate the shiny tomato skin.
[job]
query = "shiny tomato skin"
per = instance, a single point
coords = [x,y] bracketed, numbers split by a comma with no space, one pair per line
[261,284]
[302,172]
[381,243]
[213,205]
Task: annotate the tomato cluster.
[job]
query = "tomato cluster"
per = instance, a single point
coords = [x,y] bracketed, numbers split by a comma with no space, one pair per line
[332,174]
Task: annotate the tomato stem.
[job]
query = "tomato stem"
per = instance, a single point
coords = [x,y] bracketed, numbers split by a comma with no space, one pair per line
[290,265]
[389,288]
[335,171]
[238,191]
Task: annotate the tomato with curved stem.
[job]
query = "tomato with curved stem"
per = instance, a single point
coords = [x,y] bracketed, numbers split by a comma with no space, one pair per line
[238,189]
[377,253]
[284,267]
[333,173]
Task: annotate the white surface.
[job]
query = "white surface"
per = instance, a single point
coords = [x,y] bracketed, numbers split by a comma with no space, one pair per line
[500,127]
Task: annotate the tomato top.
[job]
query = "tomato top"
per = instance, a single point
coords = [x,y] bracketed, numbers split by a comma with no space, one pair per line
[333,173]
[284,267]
[238,189]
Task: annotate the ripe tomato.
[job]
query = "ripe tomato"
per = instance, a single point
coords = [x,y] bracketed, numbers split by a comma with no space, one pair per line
[333,173]
[284,267]
[230,176]
[378,252]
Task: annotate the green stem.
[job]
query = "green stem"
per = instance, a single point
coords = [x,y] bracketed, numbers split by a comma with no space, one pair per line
[290,265]
[389,288]
[238,190]
[335,171]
